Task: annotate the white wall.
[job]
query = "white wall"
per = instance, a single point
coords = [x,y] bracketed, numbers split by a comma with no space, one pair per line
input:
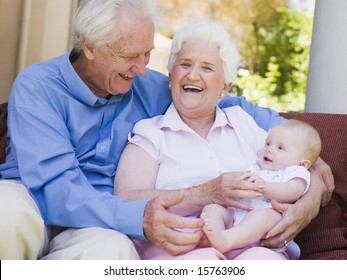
[31,31]
[327,76]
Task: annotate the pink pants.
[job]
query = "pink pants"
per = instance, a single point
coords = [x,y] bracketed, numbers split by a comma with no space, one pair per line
[148,251]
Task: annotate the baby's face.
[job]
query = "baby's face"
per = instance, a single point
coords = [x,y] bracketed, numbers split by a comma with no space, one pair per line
[283,148]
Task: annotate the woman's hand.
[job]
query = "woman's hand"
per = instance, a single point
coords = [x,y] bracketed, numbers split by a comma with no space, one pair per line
[252,177]
[160,225]
[325,173]
[228,188]
[295,217]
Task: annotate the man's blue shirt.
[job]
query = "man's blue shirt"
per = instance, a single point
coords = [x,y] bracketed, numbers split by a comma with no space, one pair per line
[64,142]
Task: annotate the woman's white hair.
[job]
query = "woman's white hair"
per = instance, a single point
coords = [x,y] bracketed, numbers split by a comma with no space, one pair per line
[97,21]
[214,32]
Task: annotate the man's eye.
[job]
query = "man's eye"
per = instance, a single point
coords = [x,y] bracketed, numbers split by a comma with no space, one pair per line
[130,58]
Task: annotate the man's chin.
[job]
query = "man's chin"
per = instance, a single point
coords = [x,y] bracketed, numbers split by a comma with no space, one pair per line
[121,91]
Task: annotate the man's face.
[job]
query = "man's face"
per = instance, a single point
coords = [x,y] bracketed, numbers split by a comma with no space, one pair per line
[112,70]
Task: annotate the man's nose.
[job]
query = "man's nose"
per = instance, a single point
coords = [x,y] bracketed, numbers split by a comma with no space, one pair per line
[139,67]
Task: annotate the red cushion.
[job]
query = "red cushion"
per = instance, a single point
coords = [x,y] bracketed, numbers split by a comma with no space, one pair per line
[2,149]
[3,129]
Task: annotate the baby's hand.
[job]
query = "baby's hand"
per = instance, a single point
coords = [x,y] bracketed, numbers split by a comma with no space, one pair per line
[251,177]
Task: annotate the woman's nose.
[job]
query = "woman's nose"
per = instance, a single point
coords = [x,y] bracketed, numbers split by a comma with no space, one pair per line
[194,73]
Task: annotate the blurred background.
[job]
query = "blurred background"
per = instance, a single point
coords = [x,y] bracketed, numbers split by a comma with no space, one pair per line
[273,37]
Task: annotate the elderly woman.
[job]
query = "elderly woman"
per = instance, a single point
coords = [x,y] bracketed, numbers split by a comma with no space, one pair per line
[196,146]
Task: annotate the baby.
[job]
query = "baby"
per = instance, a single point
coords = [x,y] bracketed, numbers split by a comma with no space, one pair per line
[290,149]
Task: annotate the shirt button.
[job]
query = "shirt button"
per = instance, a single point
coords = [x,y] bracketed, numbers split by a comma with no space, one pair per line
[102,148]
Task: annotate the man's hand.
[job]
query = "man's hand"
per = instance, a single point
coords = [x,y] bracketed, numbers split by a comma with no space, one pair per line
[160,225]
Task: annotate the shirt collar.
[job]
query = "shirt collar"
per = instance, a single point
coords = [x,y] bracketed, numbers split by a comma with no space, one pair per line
[172,120]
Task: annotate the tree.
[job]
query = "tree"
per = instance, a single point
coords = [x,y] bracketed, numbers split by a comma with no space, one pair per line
[278,78]
[273,40]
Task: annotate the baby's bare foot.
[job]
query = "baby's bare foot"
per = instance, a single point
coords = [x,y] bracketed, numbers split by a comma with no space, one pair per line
[213,234]
[208,227]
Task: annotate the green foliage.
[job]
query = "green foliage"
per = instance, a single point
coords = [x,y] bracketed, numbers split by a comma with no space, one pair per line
[274,41]
[277,77]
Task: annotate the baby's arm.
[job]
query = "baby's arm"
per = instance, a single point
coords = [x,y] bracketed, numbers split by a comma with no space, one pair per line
[287,192]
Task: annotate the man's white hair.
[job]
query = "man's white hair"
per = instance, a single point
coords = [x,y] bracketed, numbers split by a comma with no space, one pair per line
[97,21]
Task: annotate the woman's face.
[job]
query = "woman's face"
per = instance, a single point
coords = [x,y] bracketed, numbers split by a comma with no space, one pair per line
[197,79]
[112,70]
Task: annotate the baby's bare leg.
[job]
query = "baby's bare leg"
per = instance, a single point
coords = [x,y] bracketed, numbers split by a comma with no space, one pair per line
[217,219]
[248,232]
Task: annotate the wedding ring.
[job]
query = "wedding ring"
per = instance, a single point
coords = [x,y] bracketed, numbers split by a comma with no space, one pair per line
[285,243]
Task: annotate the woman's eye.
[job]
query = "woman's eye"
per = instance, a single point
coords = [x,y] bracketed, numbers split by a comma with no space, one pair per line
[206,68]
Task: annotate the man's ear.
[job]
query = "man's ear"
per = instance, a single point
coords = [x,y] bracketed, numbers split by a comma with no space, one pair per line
[88,50]
[306,163]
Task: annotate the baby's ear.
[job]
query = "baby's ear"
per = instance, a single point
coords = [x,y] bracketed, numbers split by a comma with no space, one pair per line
[306,163]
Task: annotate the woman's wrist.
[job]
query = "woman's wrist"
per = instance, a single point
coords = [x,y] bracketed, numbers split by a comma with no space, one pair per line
[200,194]
[311,201]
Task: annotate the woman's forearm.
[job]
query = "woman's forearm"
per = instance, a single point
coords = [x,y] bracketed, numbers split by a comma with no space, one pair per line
[192,203]
[312,199]
[195,198]
[224,190]
[139,194]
